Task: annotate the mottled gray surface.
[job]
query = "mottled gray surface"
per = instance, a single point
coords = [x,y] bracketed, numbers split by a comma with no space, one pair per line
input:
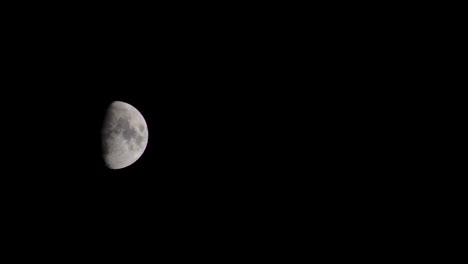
[124,135]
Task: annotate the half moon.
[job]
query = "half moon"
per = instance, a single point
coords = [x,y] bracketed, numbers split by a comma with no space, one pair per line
[124,135]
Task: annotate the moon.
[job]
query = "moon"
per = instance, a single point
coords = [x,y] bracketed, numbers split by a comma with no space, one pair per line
[124,135]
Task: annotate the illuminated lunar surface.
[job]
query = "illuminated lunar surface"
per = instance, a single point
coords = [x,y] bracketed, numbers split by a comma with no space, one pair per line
[124,135]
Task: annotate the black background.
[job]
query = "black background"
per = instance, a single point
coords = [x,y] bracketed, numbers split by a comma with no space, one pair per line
[245,136]
[214,92]
[267,127]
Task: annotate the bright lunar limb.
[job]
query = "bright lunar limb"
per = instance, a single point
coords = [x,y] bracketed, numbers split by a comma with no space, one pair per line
[124,135]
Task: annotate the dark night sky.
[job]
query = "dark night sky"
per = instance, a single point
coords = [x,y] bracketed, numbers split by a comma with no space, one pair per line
[198,100]
[218,102]
[259,120]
